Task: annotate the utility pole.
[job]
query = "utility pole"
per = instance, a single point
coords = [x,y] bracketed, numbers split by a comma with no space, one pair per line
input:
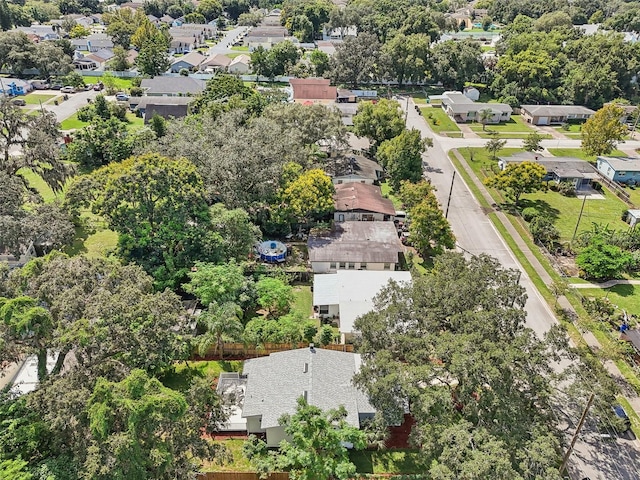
[579,217]
[406,111]
[446,213]
[565,459]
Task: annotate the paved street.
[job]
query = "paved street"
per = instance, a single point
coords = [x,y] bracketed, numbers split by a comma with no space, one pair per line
[68,107]
[225,44]
[593,457]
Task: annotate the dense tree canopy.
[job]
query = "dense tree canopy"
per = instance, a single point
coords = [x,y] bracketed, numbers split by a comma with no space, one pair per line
[379,122]
[452,346]
[602,132]
[518,178]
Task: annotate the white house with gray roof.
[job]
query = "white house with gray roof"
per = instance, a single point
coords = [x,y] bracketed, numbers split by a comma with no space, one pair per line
[463,109]
[554,114]
[323,377]
[348,294]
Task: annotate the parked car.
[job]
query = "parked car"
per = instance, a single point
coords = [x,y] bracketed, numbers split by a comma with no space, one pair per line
[40,84]
[56,86]
[98,86]
[68,89]
[623,419]
[122,97]
[19,102]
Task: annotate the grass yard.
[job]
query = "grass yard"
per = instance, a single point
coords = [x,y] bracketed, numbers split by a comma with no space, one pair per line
[240,463]
[481,161]
[240,48]
[93,238]
[182,374]
[438,120]
[574,130]
[72,123]
[565,210]
[579,153]
[121,83]
[303,300]
[388,461]
[634,195]
[625,297]
[386,192]
[36,181]
[36,98]
[514,125]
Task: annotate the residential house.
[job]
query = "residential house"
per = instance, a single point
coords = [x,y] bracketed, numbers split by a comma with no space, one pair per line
[183,44]
[166,19]
[92,43]
[41,32]
[140,104]
[83,62]
[191,61]
[240,65]
[339,33]
[153,19]
[359,169]
[360,202]
[172,86]
[165,111]
[101,57]
[201,32]
[346,96]
[347,112]
[313,90]
[323,377]
[14,86]
[215,63]
[554,114]
[327,47]
[343,296]
[355,246]
[16,261]
[629,113]
[559,169]
[620,169]
[462,109]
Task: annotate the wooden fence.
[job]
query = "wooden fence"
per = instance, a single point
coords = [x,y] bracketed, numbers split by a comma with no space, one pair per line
[232,350]
[240,476]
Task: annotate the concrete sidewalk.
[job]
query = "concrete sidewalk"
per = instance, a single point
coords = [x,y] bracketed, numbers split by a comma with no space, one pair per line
[607,284]
[589,338]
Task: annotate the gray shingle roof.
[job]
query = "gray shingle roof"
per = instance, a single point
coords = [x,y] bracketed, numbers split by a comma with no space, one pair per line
[368,242]
[556,110]
[625,164]
[172,85]
[274,384]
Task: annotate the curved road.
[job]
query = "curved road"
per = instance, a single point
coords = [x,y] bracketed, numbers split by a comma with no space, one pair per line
[593,457]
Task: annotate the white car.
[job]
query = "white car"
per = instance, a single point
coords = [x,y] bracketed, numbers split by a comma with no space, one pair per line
[68,89]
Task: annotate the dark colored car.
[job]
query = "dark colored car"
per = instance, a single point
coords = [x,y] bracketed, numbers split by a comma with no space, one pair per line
[98,86]
[623,418]
[19,102]
[56,86]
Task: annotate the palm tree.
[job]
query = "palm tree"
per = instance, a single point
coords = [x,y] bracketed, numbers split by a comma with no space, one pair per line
[485,116]
[222,323]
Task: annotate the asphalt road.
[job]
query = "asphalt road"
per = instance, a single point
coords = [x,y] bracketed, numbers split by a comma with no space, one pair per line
[68,107]
[223,46]
[593,457]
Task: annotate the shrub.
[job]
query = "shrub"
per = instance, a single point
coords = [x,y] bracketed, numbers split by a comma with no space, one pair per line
[136,91]
[567,189]
[566,127]
[544,231]
[530,213]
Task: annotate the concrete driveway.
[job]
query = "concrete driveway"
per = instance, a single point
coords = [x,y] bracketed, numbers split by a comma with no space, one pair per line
[68,107]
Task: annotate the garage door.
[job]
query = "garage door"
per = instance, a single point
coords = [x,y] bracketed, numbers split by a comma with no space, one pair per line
[543,120]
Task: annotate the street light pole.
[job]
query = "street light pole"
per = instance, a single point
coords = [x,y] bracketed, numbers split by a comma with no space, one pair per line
[446,213]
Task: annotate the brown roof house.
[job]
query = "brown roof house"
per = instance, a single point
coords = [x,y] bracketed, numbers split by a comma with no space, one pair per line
[362,203]
[313,90]
[355,246]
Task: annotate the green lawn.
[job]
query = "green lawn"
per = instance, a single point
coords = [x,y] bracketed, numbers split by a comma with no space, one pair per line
[625,297]
[438,120]
[93,238]
[514,125]
[36,181]
[386,192]
[36,98]
[120,82]
[72,123]
[241,48]
[303,301]
[574,130]
[578,153]
[239,462]
[565,210]
[388,461]
[180,377]
[634,195]
[483,164]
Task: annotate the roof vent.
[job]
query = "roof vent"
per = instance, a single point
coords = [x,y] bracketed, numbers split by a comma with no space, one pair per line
[311,347]
[305,367]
